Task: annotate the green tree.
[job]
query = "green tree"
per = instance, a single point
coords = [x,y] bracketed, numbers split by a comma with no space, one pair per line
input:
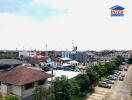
[38,93]
[41,93]
[130,60]
[83,81]
[8,56]
[62,88]
[110,67]
[100,69]
[118,61]
[75,87]
[10,97]
[93,77]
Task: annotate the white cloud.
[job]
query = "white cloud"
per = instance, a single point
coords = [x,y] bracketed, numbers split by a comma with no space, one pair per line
[88,23]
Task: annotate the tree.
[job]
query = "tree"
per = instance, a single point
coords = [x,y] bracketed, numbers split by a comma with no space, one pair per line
[41,93]
[110,67]
[100,69]
[48,93]
[130,60]
[93,77]
[83,81]
[10,97]
[38,93]
[118,61]
[75,87]
[62,88]
[8,56]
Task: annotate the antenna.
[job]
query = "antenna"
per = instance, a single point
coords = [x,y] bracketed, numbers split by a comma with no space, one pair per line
[72,43]
[46,47]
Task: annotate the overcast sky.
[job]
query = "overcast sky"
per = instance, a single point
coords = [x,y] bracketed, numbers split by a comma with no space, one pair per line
[34,23]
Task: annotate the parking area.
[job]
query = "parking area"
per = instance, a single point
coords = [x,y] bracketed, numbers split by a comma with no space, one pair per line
[122,89]
[114,86]
[99,93]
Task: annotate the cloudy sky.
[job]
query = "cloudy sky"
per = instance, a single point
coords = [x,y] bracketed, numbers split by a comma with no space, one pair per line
[31,24]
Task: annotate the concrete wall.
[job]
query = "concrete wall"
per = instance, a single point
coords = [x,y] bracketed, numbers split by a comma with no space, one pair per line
[29,92]
[17,90]
[20,90]
[4,89]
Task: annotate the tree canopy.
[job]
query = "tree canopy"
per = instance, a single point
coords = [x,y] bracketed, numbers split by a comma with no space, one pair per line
[62,88]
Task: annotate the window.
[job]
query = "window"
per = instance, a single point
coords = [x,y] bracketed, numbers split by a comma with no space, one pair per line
[29,86]
[41,82]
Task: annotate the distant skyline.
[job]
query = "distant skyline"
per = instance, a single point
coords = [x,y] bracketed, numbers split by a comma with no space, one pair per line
[31,24]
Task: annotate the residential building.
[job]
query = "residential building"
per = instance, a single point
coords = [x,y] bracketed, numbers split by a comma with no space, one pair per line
[9,63]
[21,81]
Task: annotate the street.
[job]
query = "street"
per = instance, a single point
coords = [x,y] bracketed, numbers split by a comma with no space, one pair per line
[121,90]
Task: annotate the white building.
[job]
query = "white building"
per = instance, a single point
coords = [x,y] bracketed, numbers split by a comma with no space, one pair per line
[21,81]
[27,53]
[59,73]
[125,55]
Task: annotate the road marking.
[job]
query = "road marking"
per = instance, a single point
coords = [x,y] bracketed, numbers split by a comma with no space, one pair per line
[95,98]
[98,95]
[122,98]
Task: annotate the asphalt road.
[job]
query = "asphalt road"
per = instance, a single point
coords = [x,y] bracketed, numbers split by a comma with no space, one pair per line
[122,89]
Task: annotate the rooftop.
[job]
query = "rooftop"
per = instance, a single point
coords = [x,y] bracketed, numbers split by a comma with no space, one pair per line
[59,73]
[22,76]
[10,62]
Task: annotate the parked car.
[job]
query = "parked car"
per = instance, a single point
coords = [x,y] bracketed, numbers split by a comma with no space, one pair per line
[112,77]
[108,81]
[122,75]
[121,78]
[120,68]
[105,85]
[125,69]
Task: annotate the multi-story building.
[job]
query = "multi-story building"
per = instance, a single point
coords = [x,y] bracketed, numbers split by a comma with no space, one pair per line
[123,54]
[82,57]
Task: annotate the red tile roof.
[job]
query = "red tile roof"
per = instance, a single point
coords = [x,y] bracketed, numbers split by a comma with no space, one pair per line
[23,75]
[42,58]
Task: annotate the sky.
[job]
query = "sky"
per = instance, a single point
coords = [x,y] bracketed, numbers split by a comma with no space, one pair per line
[31,24]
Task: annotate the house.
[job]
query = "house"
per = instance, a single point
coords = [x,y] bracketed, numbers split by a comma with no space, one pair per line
[117,11]
[9,63]
[21,81]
